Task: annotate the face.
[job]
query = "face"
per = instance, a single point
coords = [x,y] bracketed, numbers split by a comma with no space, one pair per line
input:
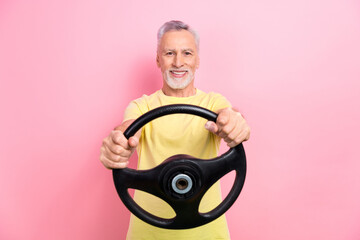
[178,59]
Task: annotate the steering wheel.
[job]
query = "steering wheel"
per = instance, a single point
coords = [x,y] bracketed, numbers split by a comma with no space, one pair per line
[181,180]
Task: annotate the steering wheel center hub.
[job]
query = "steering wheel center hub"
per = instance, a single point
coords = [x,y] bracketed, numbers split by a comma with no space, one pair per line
[181,183]
[181,179]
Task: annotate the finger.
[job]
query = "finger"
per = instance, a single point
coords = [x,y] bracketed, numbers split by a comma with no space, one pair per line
[211,126]
[122,157]
[118,137]
[223,117]
[239,139]
[229,128]
[235,131]
[117,149]
[237,124]
[245,130]
[111,165]
[133,142]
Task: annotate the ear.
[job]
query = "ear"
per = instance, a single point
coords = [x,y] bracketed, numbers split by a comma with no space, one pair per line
[157,60]
[197,61]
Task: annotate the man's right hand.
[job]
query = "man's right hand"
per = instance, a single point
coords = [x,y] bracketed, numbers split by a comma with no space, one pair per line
[116,149]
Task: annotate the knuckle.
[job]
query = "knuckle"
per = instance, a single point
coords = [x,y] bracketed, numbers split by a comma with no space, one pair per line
[105,141]
[106,162]
[121,158]
[105,151]
[122,165]
[102,149]
[227,129]
[116,136]
[227,140]
[232,136]
[102,158]
[116,158]
[110,165]
[239,139]
[222,135]
[221,120]
[246,131]
[119,150]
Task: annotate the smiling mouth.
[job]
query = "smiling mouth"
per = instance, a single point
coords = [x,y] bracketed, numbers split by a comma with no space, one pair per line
[178,73]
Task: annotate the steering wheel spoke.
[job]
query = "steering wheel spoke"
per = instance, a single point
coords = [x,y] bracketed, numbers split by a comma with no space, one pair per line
[143,180]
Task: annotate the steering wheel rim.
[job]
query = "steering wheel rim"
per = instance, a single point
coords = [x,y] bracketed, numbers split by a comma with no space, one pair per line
[203,173]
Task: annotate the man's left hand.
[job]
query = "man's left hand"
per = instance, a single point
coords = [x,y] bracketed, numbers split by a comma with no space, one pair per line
[231,126]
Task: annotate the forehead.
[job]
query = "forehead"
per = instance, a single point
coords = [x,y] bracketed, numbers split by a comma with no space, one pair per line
[178,40]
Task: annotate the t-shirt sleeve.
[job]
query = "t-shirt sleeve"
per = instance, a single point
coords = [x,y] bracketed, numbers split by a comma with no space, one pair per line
[135,109]
[219,102]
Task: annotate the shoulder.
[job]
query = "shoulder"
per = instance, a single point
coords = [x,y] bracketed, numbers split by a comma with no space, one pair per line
[210,95]
[139,106]
[215,97]
[214,100]
[145,102]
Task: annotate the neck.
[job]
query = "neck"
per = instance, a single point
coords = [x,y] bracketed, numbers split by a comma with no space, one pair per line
[186,92]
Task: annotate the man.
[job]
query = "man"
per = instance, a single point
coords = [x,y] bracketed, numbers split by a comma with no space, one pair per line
[178,59]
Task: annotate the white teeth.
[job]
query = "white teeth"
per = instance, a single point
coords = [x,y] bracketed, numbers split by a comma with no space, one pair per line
[178,73]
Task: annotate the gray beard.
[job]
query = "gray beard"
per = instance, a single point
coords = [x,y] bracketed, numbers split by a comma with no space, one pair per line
[178,84]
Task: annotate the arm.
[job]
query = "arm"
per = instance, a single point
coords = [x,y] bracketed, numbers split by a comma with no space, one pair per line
[116,149]
[231,126]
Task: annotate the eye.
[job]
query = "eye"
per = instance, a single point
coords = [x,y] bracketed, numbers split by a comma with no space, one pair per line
[169,53]
[188,53]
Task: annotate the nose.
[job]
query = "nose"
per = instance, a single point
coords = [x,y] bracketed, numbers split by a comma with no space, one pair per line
[178,61]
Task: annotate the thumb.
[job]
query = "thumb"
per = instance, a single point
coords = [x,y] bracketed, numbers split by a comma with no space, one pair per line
[211,126]
[133,142]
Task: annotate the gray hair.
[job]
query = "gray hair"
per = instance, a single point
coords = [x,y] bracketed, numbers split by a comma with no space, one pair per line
[177,26]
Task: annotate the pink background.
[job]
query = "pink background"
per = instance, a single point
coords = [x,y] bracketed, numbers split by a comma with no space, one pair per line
[69,68]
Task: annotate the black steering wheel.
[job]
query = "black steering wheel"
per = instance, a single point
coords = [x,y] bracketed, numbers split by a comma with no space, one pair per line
[181,180]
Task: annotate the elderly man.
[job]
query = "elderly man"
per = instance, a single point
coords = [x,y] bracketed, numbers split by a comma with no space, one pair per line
[178,59]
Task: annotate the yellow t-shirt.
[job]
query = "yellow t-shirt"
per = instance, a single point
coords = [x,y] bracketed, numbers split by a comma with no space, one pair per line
[167,136]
